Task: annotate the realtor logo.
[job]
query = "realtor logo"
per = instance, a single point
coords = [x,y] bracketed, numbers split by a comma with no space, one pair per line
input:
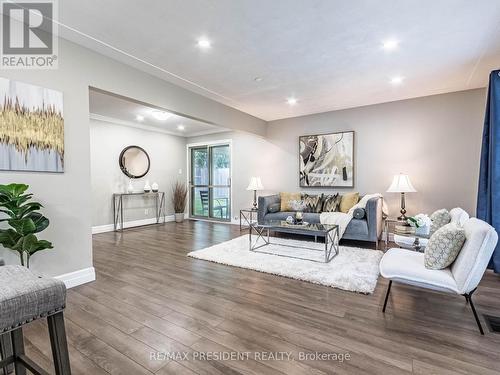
[29,38]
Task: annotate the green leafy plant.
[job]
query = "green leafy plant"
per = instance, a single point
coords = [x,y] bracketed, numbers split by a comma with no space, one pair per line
[24,221]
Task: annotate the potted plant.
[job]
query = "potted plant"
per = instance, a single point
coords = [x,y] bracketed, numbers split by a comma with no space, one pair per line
[23,220]
[421,223]
[179,197]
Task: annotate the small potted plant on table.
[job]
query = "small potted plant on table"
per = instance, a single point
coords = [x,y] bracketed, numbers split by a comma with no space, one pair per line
[421,223]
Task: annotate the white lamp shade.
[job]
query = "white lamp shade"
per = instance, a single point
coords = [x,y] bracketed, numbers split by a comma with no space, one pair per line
[255,184]
[401,184]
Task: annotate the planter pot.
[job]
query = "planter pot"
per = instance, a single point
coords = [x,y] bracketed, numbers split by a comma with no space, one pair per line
[179,218]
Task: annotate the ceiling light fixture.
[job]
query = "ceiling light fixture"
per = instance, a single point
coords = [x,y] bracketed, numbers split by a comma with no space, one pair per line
[180,127]
[204,43]
[291,101]
[161,115]
[139,118]
[390,44]
[257,79]
[397,80]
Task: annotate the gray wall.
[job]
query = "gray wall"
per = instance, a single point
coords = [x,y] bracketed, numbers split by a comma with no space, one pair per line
[435,139]
[107,140]
[67,196]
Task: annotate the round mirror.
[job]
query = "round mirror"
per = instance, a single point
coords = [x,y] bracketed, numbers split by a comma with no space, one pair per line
[134,161]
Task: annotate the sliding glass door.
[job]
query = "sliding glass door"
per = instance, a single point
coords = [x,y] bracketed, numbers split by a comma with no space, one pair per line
[210,185]
[199,182]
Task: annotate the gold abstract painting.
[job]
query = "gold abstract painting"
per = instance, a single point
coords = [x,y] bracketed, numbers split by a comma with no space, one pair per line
[327,160]
[31,128]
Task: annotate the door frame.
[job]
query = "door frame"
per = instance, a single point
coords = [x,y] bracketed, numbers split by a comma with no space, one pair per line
[221,142]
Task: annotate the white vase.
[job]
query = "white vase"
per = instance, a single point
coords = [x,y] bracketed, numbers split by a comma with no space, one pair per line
[130,187]
[179,217]
[154,187]
[147,187]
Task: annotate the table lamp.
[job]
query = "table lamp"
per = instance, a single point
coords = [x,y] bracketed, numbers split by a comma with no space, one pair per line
[401,184]
[255,184]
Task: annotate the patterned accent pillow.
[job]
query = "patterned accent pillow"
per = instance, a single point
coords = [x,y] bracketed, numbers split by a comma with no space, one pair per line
[331,203]
[313,203]
[439,218]
[286,199]
[443,246]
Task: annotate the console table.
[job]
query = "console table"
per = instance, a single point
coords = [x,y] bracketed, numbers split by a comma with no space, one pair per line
[118,207]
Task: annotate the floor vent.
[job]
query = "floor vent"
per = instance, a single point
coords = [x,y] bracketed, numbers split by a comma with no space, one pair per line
[493,323]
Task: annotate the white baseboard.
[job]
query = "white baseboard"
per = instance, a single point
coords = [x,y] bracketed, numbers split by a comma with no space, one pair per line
[72,279]
[133,223]
[103,228]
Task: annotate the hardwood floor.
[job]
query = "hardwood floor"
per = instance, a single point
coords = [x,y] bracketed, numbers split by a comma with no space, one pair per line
[149,297]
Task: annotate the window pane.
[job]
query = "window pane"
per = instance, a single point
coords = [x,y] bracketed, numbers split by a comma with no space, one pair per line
[199,160]
[220,165]
[220,203]
[200,201]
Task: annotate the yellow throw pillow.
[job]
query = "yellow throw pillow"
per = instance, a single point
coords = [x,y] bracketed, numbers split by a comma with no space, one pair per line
[348,200]
[286,198]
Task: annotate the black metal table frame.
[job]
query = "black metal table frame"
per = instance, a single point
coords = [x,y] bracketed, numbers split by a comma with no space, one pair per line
[331,236]
[118,208]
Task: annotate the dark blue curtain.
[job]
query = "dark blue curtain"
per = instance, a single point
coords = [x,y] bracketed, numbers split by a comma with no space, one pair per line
[488,198]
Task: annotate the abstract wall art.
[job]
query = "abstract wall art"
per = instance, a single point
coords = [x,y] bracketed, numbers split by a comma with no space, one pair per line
[327,160]
[31,128]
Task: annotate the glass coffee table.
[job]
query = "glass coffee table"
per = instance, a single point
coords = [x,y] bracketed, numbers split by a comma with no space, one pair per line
[330,233]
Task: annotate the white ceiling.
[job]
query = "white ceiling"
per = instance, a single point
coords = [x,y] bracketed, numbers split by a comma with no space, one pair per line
[326,53]
[111,108]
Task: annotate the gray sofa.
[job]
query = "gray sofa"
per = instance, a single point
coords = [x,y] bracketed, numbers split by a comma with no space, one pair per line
[368,228]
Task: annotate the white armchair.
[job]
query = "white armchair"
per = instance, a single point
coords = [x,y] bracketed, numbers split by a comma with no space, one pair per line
[462,277]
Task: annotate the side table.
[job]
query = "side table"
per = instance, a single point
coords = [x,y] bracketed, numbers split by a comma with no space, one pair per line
[390,225]
[247,218]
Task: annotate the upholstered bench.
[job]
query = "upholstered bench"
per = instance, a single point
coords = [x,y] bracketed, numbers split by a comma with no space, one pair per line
[25,297]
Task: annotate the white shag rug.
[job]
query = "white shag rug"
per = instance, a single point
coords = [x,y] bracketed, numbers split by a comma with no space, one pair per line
[353,269]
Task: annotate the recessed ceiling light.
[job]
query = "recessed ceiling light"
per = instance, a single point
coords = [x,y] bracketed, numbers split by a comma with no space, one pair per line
[180,127]
[257,79]
[161,115]
[204,43]
[390,44]
[139,118]
[291,101]
[397,80]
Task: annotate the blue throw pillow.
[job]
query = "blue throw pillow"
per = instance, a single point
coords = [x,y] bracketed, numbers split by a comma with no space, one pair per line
[275,207]
[359,213]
